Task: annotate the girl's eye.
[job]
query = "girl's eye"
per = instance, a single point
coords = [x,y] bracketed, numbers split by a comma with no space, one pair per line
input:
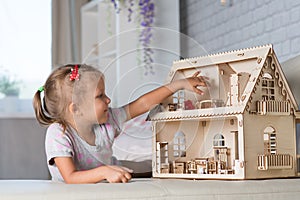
[100,96]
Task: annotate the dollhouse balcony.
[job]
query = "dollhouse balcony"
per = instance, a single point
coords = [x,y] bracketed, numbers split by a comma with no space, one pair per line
[272,107]
[274,161]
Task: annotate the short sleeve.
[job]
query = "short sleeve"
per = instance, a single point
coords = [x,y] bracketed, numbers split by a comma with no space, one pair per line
[57,143]
[117,118]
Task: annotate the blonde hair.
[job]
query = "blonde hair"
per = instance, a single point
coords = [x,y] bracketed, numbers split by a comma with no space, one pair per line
[58,93]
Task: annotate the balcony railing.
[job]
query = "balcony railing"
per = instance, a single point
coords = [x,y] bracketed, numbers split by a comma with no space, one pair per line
[273,107]
[275,161]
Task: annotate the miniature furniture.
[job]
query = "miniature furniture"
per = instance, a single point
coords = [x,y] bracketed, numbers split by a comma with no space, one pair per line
[243,127]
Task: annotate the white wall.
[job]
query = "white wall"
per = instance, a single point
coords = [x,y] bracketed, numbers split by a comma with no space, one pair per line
[243,24]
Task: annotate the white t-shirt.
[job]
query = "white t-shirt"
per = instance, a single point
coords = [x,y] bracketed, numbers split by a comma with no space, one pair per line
[85,156]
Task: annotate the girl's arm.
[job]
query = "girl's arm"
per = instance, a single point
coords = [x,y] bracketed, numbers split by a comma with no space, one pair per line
[113,174]
[150,99]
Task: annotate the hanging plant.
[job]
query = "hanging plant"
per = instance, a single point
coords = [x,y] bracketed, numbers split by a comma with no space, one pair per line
[145,19]
[9,86]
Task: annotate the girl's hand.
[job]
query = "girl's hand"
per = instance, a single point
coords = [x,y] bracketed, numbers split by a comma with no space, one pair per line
[117,174]
[151,99]
[192,83]
[113,174]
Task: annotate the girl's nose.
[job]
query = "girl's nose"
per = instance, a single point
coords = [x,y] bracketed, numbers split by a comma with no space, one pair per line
[108,100]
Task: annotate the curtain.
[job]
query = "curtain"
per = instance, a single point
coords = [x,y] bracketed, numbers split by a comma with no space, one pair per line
[66,31]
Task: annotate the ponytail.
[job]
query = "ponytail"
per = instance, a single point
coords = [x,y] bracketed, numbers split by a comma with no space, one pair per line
[40,110]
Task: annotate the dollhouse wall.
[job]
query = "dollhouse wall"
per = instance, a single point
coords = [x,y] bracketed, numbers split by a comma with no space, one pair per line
[254,126]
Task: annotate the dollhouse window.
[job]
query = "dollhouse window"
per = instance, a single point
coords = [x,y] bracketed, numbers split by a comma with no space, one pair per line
[268,87]
[219,140]
[178,99]
[179,145]
[270,141]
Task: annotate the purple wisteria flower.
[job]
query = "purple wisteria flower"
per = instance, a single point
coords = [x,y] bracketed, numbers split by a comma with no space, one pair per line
[146,20]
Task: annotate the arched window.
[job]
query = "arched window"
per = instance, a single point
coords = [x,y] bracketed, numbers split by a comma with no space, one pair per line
[270,146]
[268,87]
[219,140]
[179,145]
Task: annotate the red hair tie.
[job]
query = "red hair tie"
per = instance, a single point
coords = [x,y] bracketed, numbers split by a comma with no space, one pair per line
[74,75]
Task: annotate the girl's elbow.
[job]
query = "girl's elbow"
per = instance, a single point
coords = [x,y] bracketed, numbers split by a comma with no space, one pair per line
[69,181]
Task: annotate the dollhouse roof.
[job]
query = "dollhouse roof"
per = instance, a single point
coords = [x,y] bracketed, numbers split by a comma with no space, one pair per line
[250,62]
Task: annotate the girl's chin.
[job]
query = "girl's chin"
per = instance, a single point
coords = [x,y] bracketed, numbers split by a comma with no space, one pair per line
[102,121]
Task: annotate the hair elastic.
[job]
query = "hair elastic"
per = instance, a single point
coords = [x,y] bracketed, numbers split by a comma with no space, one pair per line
[41,89]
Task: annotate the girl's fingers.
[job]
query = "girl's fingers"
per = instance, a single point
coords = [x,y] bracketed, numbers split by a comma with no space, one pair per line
[196,73]
[127,169]
[124,179]
[202,79]
[198,91]
[121,168]
[127,175]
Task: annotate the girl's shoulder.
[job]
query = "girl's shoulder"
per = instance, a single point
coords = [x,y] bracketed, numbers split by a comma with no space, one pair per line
[56,132]
[57,129]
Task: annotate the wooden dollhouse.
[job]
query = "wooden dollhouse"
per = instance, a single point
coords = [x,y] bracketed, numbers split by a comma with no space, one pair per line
[243,127]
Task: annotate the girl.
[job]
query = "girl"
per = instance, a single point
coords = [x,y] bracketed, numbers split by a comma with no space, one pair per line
[82,126]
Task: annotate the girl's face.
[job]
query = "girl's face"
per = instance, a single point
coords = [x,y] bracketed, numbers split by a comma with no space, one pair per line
[93,109]
[101,102]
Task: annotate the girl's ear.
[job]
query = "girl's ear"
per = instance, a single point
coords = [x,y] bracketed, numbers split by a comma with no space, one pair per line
[73,108]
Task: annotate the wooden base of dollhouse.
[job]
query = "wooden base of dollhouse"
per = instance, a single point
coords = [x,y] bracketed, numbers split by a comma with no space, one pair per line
[197,176]
[216,176]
